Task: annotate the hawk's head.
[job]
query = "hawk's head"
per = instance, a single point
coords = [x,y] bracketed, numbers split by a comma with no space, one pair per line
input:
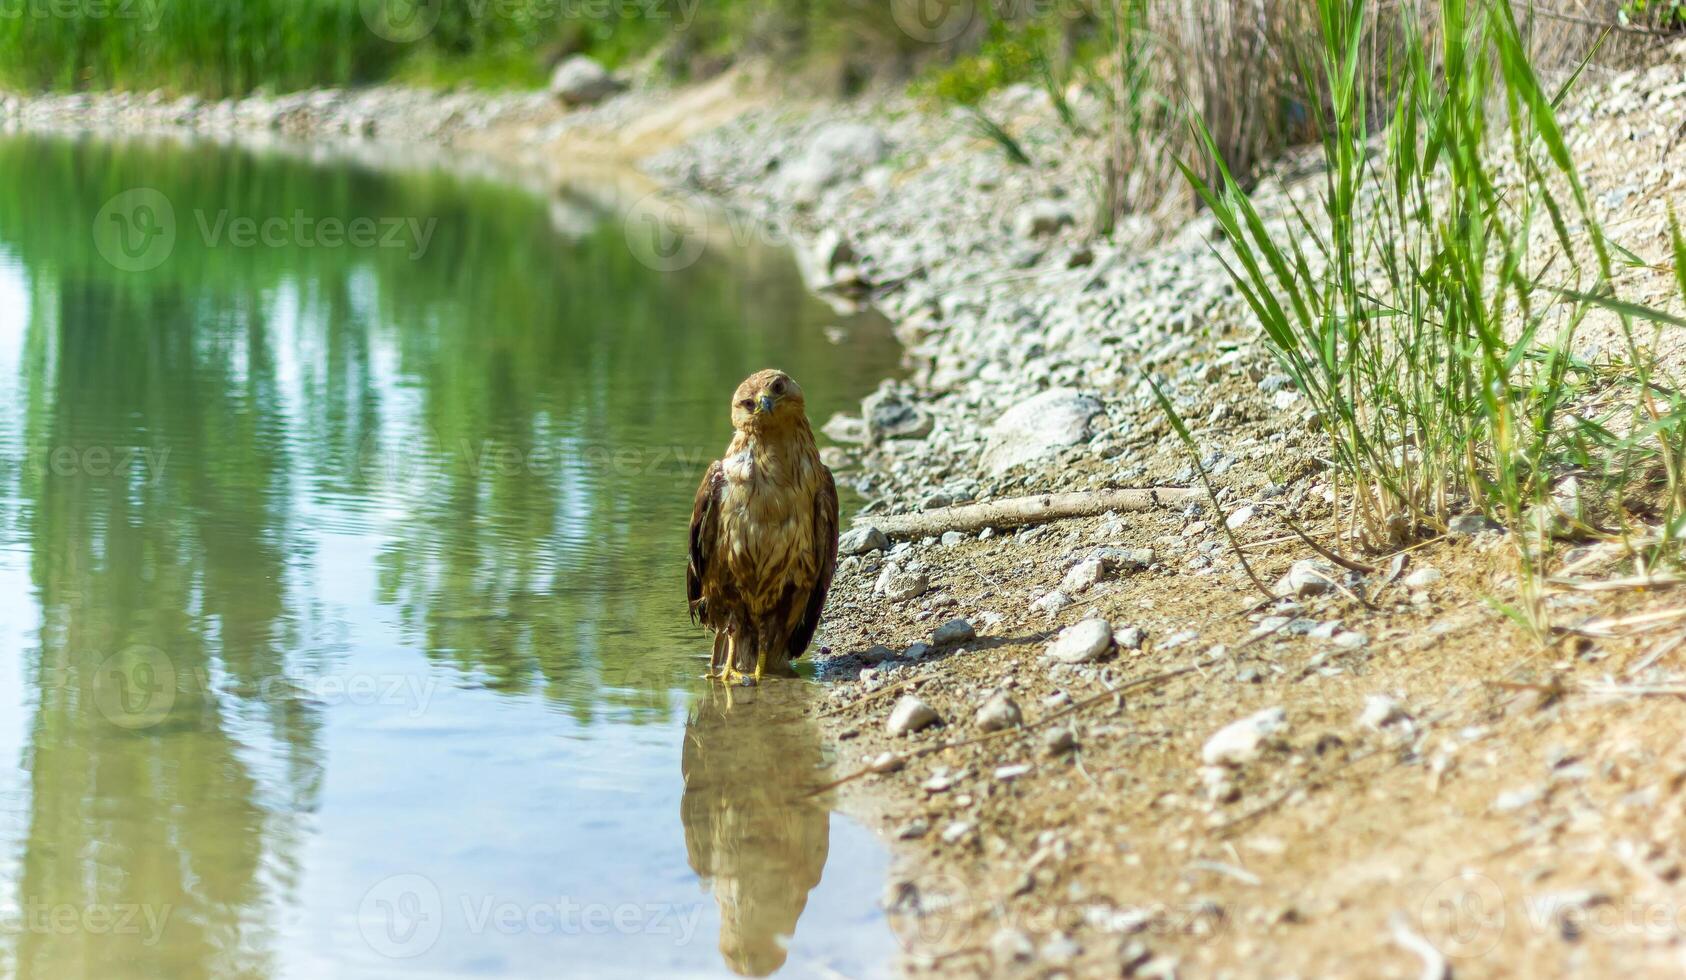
[767,401]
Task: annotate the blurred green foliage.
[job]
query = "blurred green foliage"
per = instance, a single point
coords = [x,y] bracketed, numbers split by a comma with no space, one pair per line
[220,48]
[1661,14]
[1009,53]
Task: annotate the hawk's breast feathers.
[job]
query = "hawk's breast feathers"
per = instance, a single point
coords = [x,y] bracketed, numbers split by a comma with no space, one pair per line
[763,542]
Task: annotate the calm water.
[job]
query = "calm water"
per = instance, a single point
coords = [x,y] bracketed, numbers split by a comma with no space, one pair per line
[342,628]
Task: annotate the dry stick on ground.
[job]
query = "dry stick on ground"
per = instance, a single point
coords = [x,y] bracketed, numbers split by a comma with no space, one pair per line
[906,685]
[1342,589]
[1642,623]
[1654,654]
[1346,563]
[1618,584]
[1018,511]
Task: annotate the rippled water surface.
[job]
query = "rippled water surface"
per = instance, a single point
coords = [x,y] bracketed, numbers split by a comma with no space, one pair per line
[342,628]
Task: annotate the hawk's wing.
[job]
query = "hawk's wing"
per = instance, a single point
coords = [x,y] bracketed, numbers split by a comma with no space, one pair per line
[825,546]
[705,529]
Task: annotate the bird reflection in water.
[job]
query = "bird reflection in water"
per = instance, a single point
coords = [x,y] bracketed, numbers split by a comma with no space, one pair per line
[753,831]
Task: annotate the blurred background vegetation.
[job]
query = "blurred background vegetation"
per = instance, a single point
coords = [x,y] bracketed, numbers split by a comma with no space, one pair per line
[1238,64]
[231,47]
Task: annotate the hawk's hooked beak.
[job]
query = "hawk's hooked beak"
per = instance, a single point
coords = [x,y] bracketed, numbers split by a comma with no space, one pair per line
[765,404]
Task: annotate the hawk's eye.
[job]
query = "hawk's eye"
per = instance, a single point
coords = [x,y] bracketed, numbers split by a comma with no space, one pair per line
[747,403]
[778,387]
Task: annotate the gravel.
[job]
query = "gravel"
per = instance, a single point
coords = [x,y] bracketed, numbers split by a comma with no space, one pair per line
[999,712]
[910,715]
[1082,643]
[952,632]
[1244,741]
[862,540]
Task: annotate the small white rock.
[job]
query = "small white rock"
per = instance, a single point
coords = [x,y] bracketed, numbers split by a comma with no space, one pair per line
[1423,577]
[1517,799]
[999,712]
[910,715]
[1242,741]
[955,831]
[1052,603]
[860,540]
[1380,711]
[1307,577]
[1084,575]
[954,631]
[1059,741]
[1061,950]
[1082,643]
[1129,637]
[898,585]
[1239,517]
[1011,946]
[877,653]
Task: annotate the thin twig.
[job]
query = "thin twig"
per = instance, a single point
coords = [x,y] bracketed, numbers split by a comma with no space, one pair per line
[1627,28]
[1643,622]
[1228,870]
[1618,584]
[1656,653]
[1346,563]
[875,695]
[1355,597]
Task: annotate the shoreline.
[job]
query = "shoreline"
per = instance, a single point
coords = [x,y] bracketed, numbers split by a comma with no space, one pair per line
[1203,783]
[1088,806]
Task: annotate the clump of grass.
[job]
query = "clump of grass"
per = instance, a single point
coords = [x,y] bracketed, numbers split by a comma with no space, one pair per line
[1136,169]
[1433,343]
[993,131]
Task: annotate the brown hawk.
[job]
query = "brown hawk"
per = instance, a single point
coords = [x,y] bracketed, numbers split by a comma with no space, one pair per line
[763,534]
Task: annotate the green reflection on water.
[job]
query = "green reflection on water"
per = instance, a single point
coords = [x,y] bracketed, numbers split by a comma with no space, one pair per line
[246,467]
